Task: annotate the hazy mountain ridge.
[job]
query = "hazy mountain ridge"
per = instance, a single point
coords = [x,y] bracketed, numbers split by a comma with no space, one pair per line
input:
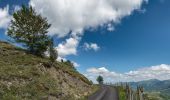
[155,88]
[152,85]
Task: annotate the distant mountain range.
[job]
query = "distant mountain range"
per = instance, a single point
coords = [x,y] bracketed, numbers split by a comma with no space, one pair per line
[161,88]
[154,88]
[152,85]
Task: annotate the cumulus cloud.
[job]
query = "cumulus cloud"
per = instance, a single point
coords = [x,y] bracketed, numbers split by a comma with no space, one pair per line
[5,17]
[68,47]
[75,64]
[161,72]
[109,76]
[77,15]
[91,46]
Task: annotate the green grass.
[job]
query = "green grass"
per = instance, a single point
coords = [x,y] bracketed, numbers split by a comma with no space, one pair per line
[122,93]
[12,56]
[27,83]
[21,75]
[154,96]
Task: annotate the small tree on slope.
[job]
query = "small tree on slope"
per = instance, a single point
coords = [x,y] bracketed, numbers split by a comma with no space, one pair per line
[30,29]
[100,79]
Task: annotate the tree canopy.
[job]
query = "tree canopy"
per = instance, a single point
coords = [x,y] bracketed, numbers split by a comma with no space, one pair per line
[30,29]
[100,79]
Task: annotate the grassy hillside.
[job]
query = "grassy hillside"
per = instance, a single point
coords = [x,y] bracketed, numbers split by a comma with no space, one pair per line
[26,76]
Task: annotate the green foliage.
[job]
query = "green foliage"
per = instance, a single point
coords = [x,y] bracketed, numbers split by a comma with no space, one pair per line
[68,62]
[30,29]
[126,92]
[100,79]
[53,53]
[122,93]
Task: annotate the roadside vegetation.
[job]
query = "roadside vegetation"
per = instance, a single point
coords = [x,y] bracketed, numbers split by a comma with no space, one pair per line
[127,93]
[122,93]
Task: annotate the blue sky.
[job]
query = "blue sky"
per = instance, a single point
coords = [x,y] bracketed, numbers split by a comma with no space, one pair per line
[141,39]
[138,40]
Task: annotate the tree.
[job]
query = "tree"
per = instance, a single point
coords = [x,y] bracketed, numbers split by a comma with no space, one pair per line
[62,60]
[53,53]
[100,79]
[30,29]
[68,62]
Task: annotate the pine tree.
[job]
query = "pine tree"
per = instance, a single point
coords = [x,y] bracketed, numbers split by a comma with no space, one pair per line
[30,29]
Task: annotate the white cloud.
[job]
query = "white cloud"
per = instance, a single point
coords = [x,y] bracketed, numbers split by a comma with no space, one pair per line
[68,47]
[75,64]
[91,46]
[109,76]
[161,72]
[76,15]
[5,17]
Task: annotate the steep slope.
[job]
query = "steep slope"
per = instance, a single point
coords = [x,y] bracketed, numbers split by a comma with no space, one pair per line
[26,76]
